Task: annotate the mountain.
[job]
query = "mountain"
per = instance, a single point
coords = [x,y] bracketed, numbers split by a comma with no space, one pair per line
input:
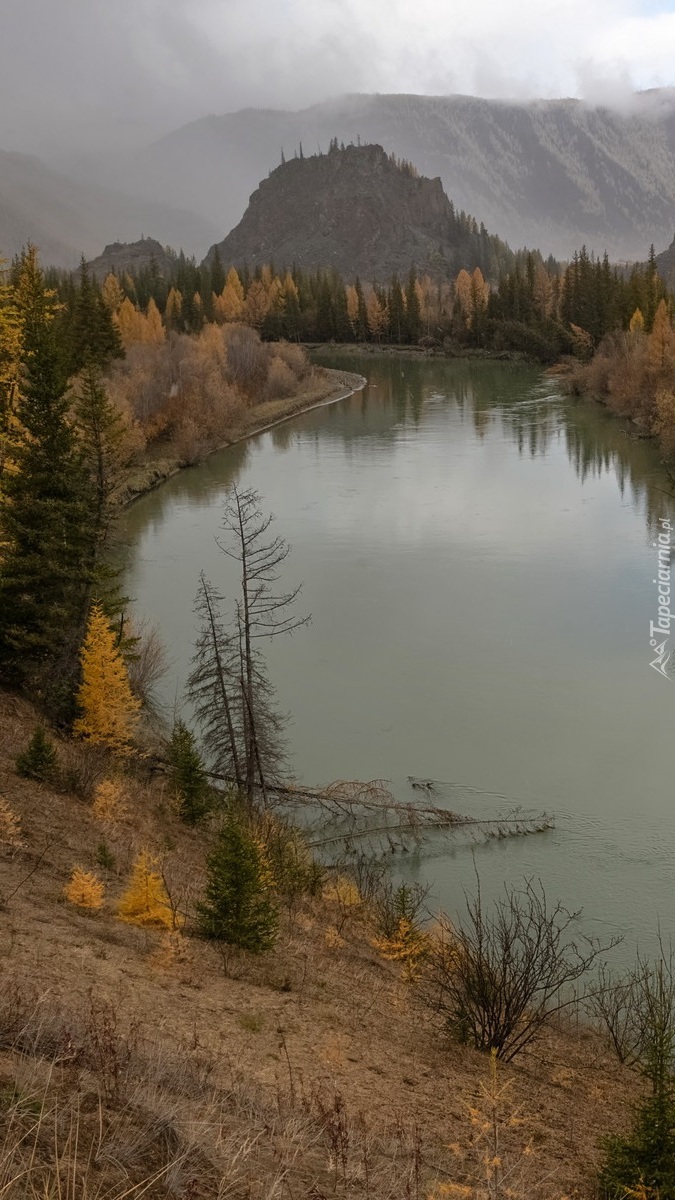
[546,173]
[68,218]
[362,212]
[134,257]
[665,263]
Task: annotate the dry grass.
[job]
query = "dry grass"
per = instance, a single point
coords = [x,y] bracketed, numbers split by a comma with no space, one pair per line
[131,1064]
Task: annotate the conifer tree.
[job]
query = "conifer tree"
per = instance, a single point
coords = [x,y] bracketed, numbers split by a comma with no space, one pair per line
[110,805]
[84,889]
[145,901]
[94,336]
[238,907]
[187,774]
[106,447]
[38,760]
[109,710]
[412,307]
[43,512]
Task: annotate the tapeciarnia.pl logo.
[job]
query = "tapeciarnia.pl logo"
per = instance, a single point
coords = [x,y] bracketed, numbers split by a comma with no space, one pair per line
[657,641]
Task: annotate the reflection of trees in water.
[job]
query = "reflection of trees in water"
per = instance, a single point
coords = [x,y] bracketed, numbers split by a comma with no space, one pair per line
[598,443]
[511,398]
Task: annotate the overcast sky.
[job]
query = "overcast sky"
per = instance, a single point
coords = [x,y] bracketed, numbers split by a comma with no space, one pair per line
[76,71]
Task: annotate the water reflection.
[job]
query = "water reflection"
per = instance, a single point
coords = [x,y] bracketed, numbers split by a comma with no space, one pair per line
[477,554]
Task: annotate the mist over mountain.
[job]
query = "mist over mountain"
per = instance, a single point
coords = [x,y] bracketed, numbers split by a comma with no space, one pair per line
[67,218]
[548,173]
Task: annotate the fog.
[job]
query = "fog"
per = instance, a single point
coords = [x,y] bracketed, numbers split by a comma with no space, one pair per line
[79,75]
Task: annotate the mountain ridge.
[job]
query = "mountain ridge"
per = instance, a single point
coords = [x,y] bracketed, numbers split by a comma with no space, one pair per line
[66,218]
[548,173]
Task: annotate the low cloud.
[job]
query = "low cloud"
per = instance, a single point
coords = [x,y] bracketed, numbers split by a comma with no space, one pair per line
[80,73]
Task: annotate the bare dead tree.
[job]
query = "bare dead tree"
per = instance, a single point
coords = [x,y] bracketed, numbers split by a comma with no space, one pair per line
[496,977]
[213,684]
[263,611]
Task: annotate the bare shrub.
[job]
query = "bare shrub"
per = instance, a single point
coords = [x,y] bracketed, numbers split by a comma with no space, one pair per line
[146,662]
[82,767]
[294,357]
[247,357]
[636,1012]
[496,977]
[281,381]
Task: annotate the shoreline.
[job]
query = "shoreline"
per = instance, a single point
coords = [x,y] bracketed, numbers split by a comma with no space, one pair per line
[152,474]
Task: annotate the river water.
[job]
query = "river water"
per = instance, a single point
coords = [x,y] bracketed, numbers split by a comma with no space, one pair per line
[477,555]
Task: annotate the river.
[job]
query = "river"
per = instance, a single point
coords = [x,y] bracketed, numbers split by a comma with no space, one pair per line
[477,555]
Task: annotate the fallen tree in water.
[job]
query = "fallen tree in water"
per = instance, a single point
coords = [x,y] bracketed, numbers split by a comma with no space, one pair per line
[346,813]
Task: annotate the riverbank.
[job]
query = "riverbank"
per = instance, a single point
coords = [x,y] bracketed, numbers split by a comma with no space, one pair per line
[349,349]
[313,1066]
[324,386]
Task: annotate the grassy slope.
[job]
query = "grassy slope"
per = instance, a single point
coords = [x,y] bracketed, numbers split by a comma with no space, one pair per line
[257,1078]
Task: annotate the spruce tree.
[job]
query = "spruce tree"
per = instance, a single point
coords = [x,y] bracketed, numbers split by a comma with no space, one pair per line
[238,907]
[94,337]
[44,520]
[187,774]
[38,760]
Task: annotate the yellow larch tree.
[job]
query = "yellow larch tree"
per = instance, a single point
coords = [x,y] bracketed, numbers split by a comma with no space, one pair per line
[84,889]
[10,362]
[230,304]
[112,293]
[257,304]
[109,708]
[464,293]
[10,827]
[145,902]
[352,308]
[154,332]
[376,315]
[276,296]
[110,804]
[637,323]
[661,345]
[131,323]
[290,289]
[174,305]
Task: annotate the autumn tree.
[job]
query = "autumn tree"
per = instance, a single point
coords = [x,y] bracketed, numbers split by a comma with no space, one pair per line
[112,293]
[661,342]
[172,312]
[84,889]
[109,710]
[10,364]
[145,901]
[238,906]
[376,314]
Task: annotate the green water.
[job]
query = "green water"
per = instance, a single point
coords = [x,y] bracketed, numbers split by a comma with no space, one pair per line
[476,551]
